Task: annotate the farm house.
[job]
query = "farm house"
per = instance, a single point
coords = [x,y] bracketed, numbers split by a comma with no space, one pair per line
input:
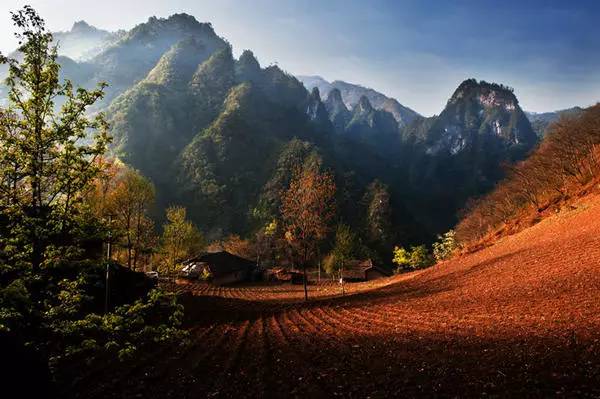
[225,268]
[373,271]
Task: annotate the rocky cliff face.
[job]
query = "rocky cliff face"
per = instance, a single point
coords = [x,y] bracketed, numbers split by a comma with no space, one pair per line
[480,113]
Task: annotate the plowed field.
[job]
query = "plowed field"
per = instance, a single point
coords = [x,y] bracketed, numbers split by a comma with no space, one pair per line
[519,319]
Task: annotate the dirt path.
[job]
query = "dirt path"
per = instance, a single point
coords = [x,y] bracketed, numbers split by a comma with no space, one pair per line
[520,318]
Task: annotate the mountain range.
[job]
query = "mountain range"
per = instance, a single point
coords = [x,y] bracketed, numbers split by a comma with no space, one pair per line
[222,135]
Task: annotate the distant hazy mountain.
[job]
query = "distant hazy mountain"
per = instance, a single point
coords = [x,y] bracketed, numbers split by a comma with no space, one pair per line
[541,121]
[84,41]
[352,93]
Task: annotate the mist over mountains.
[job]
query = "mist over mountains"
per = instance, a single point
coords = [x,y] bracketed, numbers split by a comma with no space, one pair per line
[222,135]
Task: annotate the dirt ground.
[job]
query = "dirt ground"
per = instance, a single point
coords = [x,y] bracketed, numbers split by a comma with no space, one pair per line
[518,319]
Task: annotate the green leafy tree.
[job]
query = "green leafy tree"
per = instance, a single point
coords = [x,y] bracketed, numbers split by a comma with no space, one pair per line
[180,239]
[50,263]
[419,257]
[343,251]
[416,258]
[401,257]
[46,157]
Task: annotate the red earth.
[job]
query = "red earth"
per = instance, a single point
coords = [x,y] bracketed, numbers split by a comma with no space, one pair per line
[519,319]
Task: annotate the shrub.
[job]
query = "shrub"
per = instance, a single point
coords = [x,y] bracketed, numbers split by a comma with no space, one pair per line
[417,258]
[445,246]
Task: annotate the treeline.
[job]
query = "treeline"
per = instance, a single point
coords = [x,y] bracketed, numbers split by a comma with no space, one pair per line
[565,162]
[125,200]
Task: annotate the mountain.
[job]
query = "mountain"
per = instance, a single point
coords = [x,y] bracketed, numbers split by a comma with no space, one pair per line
[84,41]
[222,136]
[460,153]
[542,121]
[352,93]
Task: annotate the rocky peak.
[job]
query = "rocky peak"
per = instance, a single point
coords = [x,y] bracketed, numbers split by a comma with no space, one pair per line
[479,108]
[314,94]
[488,95]
[83,27]
[363,106]
[247,68]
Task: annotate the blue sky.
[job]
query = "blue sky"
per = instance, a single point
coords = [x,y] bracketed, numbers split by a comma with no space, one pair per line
[415,50]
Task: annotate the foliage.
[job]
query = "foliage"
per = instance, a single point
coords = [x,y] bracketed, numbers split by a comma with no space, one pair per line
[129,204]
[50,235]
[401,257]
[565,162]
[445,246]
[45,164]
[121,332]
[180,239]
[307,208]
[417,257]
[344,249]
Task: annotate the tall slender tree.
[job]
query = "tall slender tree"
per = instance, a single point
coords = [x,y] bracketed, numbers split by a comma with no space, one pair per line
[307,209]
[130,203]
[46,163]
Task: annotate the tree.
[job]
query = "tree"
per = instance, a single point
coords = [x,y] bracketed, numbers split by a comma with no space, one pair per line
[378,223]
[343,251]
[180,239]
[46,163]
[130,202]
[401,257]
[307,208]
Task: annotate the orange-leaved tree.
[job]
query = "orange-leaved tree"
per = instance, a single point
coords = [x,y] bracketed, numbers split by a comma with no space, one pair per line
[307,208]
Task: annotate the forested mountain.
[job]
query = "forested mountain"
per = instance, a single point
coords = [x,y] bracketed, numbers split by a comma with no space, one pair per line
[222,136]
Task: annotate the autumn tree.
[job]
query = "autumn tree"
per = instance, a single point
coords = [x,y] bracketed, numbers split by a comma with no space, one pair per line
[130,203]
[307,209]
[180,239]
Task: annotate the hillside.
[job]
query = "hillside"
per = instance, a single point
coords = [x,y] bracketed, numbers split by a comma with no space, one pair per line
[519,318]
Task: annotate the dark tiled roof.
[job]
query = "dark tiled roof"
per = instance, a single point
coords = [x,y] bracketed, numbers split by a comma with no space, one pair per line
[224,262]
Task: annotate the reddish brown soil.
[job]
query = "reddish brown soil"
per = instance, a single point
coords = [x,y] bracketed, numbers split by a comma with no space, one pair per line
[520,319]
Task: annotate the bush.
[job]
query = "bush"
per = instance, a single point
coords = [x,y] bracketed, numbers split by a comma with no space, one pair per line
[417,258]
[445,246]
[120,333]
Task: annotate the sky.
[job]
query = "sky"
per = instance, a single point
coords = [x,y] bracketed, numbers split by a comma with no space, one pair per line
[417,51]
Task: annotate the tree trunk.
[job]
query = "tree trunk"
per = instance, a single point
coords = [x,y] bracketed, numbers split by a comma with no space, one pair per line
[305,279]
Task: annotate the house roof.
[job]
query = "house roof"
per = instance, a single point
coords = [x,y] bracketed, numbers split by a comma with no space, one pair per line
[223,262]
[383,270]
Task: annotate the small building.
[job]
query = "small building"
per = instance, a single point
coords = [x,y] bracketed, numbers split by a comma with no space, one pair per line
[225,268]
[373,271]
